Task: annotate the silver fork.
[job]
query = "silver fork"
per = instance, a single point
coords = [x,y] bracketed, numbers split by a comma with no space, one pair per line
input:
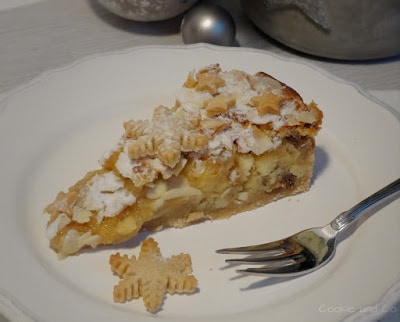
[307,250]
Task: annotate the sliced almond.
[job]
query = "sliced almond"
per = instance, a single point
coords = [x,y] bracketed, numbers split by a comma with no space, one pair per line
[81,215]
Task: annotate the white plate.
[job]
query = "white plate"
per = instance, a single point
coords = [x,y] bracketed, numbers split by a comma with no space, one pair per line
[56,128]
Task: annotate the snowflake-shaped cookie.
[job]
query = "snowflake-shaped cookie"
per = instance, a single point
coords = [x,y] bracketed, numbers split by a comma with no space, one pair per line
[151,275]
[166,136]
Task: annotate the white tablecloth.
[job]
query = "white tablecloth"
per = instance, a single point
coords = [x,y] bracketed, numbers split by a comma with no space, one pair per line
[38,35]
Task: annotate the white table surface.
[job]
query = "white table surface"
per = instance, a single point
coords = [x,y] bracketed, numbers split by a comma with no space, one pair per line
[38,35]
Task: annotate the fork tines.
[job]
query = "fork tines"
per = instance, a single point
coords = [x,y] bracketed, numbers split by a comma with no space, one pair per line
[276,258]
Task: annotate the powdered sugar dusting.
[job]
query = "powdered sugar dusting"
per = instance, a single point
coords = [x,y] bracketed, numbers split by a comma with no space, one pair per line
[106,195]
[216,113]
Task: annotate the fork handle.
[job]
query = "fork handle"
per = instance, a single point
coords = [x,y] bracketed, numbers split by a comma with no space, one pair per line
[347,217]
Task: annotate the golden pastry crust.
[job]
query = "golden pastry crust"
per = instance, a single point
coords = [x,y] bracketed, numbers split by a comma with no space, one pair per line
[232,142]
[151,276]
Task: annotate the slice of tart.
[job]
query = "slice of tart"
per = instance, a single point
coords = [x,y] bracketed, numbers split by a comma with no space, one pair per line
[232,142]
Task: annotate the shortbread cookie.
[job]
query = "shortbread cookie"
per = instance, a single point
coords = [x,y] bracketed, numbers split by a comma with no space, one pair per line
[231,142]
[151,276]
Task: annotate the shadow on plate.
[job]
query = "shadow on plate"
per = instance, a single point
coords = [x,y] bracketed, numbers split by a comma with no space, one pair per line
[320,164]
[263,282]
[130,244]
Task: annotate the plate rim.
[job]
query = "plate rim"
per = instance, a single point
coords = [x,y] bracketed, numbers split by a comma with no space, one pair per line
[4,96]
